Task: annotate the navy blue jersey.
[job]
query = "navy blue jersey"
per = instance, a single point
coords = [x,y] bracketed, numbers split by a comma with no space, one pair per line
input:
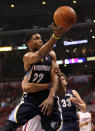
[68,108]
[39,73]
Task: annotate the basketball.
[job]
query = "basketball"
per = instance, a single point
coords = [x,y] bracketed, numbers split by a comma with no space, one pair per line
[65,16]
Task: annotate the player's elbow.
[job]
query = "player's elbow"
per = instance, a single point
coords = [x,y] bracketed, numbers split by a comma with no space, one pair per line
[28,88]
[23,87]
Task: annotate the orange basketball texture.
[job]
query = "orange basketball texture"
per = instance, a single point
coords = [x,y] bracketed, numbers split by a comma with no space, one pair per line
[65,16]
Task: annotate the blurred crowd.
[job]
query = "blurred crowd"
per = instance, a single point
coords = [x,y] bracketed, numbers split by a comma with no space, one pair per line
[10,95]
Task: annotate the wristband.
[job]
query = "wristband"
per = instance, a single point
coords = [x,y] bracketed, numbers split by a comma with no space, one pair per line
[55,37]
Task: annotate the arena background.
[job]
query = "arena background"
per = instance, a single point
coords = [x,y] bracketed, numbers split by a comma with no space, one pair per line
[75,52]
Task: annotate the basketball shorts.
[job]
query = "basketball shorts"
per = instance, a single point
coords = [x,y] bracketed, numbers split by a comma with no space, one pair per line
[26,110]
[70,126]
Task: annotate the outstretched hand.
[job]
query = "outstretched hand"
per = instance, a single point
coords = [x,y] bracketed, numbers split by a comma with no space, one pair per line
[59,31]
[47,105]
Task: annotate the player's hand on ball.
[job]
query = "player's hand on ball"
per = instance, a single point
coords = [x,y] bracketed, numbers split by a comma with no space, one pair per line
[58,31]
[65,16]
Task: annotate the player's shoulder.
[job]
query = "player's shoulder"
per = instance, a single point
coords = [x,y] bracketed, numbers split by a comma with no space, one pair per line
[28,53]
[74,91]
[88,113]
[26,58]
[80,112]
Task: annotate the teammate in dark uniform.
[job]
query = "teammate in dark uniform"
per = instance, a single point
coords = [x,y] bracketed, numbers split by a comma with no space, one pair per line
[69,105]
[69,102]
[38,65]
[69,109]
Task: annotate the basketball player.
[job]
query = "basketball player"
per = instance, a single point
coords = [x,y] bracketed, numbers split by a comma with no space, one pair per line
[33,124]
[85,121]
[38,65]
[69,105]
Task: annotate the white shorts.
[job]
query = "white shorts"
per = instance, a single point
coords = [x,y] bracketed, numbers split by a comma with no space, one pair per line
[33,124]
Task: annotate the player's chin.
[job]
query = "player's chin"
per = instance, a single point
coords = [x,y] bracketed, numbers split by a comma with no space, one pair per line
[60,94]
[40,45]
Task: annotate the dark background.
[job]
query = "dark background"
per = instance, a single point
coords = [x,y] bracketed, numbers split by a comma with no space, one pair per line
[32,16]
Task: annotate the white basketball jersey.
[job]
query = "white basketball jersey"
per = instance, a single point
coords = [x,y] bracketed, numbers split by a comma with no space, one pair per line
[85,117]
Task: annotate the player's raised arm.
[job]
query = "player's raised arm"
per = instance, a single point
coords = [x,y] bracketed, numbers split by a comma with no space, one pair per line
[37,51]
[78,101]
[47,104]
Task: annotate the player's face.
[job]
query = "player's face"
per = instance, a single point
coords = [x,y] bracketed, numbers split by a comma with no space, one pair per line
[35,42]
[64,80]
